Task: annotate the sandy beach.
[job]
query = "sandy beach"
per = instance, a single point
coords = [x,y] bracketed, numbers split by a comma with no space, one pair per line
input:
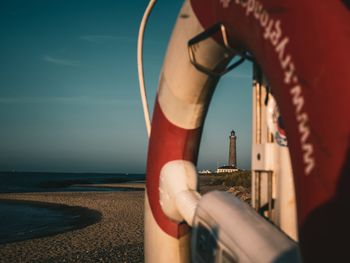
[117,237]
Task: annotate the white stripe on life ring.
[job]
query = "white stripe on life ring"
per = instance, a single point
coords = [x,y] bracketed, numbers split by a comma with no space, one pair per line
[184,99]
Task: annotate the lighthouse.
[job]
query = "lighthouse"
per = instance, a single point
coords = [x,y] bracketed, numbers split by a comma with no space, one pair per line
[232,150]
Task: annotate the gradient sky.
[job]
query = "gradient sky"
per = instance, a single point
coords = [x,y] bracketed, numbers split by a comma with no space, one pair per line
[69,95]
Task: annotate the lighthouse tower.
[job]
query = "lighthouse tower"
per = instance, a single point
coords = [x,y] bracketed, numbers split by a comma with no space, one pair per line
[232,150]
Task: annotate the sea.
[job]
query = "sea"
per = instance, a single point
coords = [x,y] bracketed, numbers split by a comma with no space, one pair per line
[22,220]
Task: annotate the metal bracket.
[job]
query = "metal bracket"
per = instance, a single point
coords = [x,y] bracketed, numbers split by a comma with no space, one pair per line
[230,51]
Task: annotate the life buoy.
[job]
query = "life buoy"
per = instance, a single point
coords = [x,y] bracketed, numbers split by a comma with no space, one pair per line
[302,47]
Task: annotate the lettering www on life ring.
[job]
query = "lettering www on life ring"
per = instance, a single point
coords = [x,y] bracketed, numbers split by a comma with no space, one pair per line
[274,34]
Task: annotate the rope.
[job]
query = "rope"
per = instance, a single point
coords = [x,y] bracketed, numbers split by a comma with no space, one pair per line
[140,65]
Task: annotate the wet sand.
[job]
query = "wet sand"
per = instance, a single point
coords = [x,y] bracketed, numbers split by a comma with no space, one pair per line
[117,237]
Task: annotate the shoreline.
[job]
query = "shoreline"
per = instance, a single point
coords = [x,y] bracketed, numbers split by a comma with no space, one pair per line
[116,237]
[128,186]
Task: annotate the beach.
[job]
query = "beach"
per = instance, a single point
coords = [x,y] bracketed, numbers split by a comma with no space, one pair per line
[110,228]
[116,237]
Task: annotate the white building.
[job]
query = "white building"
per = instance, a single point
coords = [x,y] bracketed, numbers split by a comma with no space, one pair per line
[226,169]
[204,172]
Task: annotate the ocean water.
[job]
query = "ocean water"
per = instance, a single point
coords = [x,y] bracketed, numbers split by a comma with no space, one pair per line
[20,182]
[24,220]
[21,220]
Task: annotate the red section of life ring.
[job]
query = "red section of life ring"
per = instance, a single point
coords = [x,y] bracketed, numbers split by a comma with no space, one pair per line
[167,143]
[303,49]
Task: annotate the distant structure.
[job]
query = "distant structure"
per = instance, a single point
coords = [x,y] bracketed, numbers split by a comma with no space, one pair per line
[226,169]
[232,161]
[204,172]
[232,156]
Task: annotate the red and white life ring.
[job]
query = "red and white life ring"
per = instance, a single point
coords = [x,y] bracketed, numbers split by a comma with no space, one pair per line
[303,49]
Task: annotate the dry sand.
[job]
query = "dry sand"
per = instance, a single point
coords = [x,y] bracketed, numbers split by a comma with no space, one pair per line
[118,237]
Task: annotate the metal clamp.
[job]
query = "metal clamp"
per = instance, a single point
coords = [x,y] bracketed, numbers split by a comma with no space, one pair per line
[230,51]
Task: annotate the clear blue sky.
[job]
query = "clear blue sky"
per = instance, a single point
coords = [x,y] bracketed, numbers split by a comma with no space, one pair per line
[69,95]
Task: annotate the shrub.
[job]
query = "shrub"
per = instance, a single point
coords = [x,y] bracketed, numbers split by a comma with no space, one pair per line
[239,178]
